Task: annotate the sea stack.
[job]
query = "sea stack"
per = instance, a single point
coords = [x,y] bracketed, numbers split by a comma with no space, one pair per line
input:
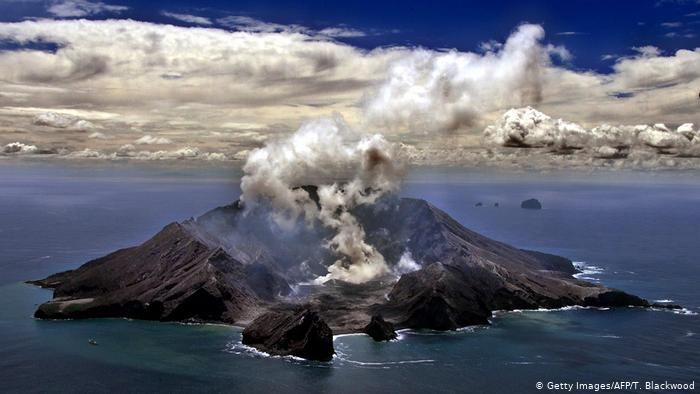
[300,333]
[380,329]
[532,203]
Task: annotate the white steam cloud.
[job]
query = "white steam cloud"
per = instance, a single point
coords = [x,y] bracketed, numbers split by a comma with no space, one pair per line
[349,169]
[432,90]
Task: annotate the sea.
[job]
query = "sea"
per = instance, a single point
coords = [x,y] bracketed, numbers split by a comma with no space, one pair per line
[636,231]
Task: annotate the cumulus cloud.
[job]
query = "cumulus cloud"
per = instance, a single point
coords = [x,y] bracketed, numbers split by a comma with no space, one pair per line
[62,121]
[97,135]
[529,128]
[188,18]
[82,8]
[189,84]
[350,169]
[128,151]
[449,90]
[150,140]
[19,148]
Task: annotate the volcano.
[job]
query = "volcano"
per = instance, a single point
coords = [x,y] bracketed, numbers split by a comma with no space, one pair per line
[231,265]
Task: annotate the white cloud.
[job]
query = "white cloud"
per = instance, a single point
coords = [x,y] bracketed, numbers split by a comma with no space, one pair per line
[198,20]
[97,135]
[252,25]
[647,51]
[62,121]
[213,89]
[428,90]
[82,8]
[671,25]
[249,24]
[341,32]
[529,128]
[150,140]
[19,148]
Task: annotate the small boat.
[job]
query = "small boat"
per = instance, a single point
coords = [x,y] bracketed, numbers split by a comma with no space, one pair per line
[92,342]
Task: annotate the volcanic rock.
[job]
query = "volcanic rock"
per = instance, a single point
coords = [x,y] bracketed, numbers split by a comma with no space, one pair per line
[300,333]
[380,330]
[532,203]
[231,267]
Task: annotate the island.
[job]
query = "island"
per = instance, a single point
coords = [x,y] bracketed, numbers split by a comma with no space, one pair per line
[230,266]
[532,203]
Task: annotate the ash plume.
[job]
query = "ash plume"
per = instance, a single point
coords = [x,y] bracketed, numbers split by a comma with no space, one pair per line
[349,170]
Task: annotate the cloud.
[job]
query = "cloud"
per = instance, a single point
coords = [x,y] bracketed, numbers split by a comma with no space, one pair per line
[194,19]
[647,51]
[128,152]
[82,8]
[429,90]
[341,32]
[98,135]
[149,140]
[252,25]
[570,33]
[205,87]
[529,128]
[19,148]
[62,121]
[249,24]
[671,25]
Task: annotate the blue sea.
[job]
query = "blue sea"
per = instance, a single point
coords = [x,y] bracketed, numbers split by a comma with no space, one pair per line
[639,232]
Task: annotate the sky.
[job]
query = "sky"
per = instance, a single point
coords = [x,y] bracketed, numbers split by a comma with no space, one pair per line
[216,79]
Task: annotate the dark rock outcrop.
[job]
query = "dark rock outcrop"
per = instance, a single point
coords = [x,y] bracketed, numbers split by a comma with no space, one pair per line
[380,329]
[532,203]
[300,333]
[553,263]
[172,276]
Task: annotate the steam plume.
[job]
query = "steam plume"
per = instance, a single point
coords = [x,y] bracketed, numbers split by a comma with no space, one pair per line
[349,169]
[433,90]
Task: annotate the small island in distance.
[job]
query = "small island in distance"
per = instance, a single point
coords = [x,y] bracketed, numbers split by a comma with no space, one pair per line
[229,266]
[531,203]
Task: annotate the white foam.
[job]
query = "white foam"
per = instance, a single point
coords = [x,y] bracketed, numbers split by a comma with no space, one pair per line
[587,271]
[663,301]
[385,363]
[684,311]
[241,349]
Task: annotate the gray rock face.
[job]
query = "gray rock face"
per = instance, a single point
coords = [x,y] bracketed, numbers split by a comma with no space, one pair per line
[532,203]
[380,329]
[228,267]
[300,333]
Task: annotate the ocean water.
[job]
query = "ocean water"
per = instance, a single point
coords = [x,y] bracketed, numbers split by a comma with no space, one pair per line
[635,231]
